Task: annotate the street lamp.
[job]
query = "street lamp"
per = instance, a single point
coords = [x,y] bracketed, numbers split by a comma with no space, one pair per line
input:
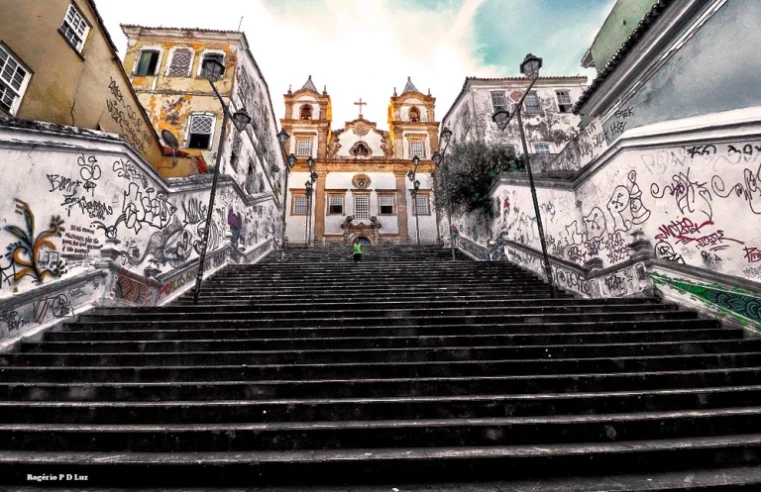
[282,138]
[440,159]
[309,185]
[213,69]
[411,175]
[530,68]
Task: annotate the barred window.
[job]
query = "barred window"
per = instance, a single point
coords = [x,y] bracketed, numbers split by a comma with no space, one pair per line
[541,148]
[75,28]
[531,103]
[299,205]
[13,81]
[335,205]
[361,207]
[421,205]
[200,132]
[498,101]
[304,147]
[417,148]
[565,104]
[386,205]
[181,62]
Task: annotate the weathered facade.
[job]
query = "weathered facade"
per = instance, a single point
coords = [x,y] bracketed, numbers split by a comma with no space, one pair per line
[90,223]
[663,189]
[59,65]
[165,66]
[362,190]
[547,117]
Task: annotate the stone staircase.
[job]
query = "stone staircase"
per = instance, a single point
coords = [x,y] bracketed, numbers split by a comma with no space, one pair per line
[340,252]
[385,372]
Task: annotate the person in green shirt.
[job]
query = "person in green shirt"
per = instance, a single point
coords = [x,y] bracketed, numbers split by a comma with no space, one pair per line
[357,251]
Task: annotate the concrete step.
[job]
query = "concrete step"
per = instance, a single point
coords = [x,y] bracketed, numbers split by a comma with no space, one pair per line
[377,370]
[405,354]
[130,331]
[134,322]
[391,465]
[348,409]
[133,344]
[393,387]
[353,310]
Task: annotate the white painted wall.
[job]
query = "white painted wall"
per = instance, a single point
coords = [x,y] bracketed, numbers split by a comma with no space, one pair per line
[80,196]
[549,126]
[692,187]
[347,139]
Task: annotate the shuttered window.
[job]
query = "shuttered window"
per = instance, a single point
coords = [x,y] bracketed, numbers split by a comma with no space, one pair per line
[180,64]
[361,207]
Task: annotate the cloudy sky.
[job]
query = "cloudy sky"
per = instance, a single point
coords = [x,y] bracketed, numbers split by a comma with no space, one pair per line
[365,48]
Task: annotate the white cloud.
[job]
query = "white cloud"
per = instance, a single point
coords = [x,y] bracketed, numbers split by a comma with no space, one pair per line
[358,48]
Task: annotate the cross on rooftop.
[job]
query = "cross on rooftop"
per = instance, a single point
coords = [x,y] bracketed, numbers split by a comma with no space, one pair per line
[360,104]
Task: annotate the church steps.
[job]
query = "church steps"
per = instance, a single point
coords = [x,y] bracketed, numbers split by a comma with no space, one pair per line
[307,410]
[425,369]
[406,321]
[366,466]
[371,284]
[406,354]
[392,387]
[365,301]
[399,308]
[92,331]
[357,434]
[131,344]
[349,371]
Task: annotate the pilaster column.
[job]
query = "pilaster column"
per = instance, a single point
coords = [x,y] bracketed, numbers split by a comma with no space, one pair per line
[401,194]
[319,206]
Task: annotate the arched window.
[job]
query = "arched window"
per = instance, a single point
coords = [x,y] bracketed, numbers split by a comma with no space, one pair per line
[306,112]
[414,114]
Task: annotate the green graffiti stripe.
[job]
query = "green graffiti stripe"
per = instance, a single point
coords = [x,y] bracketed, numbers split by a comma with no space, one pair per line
[736,303]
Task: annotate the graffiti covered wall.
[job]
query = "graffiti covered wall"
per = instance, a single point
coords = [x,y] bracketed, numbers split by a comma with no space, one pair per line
[695,195]
[65,210]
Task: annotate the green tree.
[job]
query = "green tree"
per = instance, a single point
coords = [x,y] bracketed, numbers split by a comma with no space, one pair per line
[471,170]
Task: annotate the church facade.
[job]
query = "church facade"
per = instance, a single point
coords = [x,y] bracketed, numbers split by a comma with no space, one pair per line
[362,190]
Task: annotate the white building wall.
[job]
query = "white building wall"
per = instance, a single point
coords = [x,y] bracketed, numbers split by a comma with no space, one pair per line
[427,223]
[548,126]
[373,140]
[86,198]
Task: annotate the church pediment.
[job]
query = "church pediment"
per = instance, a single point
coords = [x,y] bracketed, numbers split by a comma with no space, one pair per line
[360,139]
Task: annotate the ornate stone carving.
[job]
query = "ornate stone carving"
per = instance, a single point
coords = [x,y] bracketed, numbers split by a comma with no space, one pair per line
[360,149]
[361,129]
[361,181]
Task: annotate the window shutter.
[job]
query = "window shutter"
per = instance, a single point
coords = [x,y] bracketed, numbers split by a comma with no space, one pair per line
[180,66]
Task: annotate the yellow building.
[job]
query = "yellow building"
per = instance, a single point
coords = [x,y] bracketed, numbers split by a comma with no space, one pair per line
[59,65]
[165,67]
[362,190]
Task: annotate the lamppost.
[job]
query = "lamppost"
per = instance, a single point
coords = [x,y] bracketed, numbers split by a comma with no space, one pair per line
[214,70]
[309,186]
[411,175]
[290,161]
[530,68]
[440,159]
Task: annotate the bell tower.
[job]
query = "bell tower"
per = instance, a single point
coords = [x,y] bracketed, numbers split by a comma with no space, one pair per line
[412,123]
[307,121]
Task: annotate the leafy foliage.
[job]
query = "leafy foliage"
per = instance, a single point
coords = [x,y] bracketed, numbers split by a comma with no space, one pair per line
[466,176]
